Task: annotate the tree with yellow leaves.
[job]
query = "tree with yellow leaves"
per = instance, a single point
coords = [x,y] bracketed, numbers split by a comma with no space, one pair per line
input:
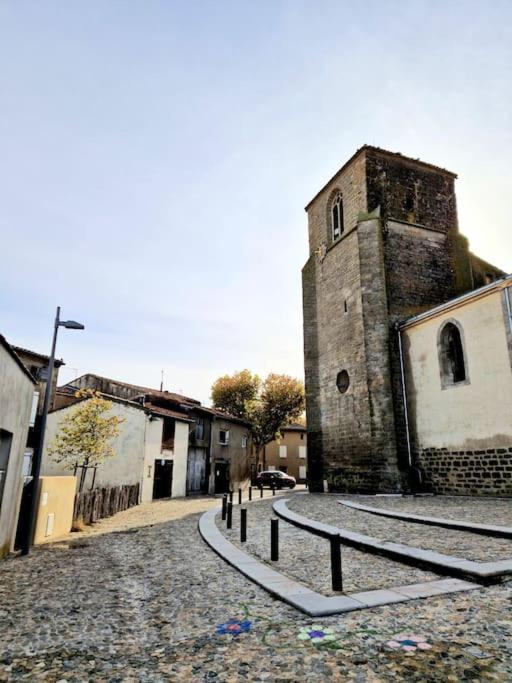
[267,406]
[84,435]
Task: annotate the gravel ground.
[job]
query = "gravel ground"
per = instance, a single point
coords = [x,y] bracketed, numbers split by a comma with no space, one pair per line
[479,510]
[471,546]
[147,604]
[306,558]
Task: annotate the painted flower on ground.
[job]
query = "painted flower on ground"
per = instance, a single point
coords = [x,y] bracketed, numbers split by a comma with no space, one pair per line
[316,634]
[234,627]
[409,642]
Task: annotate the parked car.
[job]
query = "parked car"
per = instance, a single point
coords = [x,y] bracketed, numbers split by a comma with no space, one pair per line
[275,478]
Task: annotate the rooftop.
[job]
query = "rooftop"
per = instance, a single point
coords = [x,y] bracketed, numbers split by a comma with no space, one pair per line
[37,356]
[10,350]
[458,301]
[381,152]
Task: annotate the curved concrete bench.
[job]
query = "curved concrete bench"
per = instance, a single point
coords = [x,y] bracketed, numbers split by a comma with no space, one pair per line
[444,564]
[300,596]
[473,527]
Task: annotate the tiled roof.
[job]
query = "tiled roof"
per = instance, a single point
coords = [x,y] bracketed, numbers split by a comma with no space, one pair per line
[10,350]
[294,427]
[40,356]
[143,390]
[166,412]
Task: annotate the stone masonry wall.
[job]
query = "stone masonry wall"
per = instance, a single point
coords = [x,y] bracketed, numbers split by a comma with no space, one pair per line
[378,273]
[483,472]
[408,191]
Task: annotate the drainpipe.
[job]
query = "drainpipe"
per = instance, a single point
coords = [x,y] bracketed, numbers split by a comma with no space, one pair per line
[509,308]
[404,394]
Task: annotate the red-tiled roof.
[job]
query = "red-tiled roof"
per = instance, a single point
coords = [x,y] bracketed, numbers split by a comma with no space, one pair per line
[166,412]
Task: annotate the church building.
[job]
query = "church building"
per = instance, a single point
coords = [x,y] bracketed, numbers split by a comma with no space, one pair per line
[384,247]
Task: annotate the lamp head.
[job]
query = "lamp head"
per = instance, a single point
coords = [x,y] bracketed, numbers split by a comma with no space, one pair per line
[71,325]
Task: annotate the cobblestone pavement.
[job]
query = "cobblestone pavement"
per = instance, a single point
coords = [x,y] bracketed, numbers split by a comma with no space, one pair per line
[459,543]
[481,510]
[153,603]
[306,558]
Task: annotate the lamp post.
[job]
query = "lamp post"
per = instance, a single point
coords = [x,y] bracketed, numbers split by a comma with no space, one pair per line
[38,456]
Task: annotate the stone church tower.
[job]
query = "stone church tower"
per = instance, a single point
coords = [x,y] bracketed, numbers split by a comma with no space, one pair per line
[383,245]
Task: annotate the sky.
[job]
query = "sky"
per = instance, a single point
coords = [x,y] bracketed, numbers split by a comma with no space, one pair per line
[156,158]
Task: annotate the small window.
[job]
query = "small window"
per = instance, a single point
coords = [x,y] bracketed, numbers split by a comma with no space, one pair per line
[5,451]
[244,441]
[224,437]
[33,412]
[282,451]
[302,436]
[199,428]
[302,452]
[451,355]
[168,431]
[337,217]
[342,381]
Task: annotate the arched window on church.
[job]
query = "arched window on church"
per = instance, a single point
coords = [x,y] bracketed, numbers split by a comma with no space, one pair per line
[337,217]
[451,355]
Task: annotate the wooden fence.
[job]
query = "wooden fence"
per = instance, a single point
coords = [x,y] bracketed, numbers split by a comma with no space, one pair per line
[90,506]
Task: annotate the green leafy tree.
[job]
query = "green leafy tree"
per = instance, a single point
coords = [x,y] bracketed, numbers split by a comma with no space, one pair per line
[84,435]
[267,406]
[233,393]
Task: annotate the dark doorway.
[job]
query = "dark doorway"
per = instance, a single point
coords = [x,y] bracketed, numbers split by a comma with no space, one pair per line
[162,481]
[221,477]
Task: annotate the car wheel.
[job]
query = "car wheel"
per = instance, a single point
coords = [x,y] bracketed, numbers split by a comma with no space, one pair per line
[292,485]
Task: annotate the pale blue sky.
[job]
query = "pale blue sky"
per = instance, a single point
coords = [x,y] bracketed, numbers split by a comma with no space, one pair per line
[158,155]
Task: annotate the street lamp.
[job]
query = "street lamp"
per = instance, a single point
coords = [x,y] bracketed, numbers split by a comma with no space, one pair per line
[38,455]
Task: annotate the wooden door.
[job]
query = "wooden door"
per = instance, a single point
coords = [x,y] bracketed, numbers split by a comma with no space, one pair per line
[196,470]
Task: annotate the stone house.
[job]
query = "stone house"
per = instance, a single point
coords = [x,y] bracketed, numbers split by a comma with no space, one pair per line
[458,381]
[384,245]
[150,450]
[218,445]
[230,453]
[17,388]
[289,453]
[37,365]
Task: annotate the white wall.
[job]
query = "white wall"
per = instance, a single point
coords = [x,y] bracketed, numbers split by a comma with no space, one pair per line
[179,483]
[125,467]
[136,448]
[468,416]
[16,392]
[154,452]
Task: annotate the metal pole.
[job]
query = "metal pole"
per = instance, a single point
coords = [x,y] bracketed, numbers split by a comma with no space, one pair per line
[336,576]
[243,525]
[250,492]
[229,521]
[261,491]
[239,496]
[224,506]
[38,456]
[273,489]
[274,540]
[404,394]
